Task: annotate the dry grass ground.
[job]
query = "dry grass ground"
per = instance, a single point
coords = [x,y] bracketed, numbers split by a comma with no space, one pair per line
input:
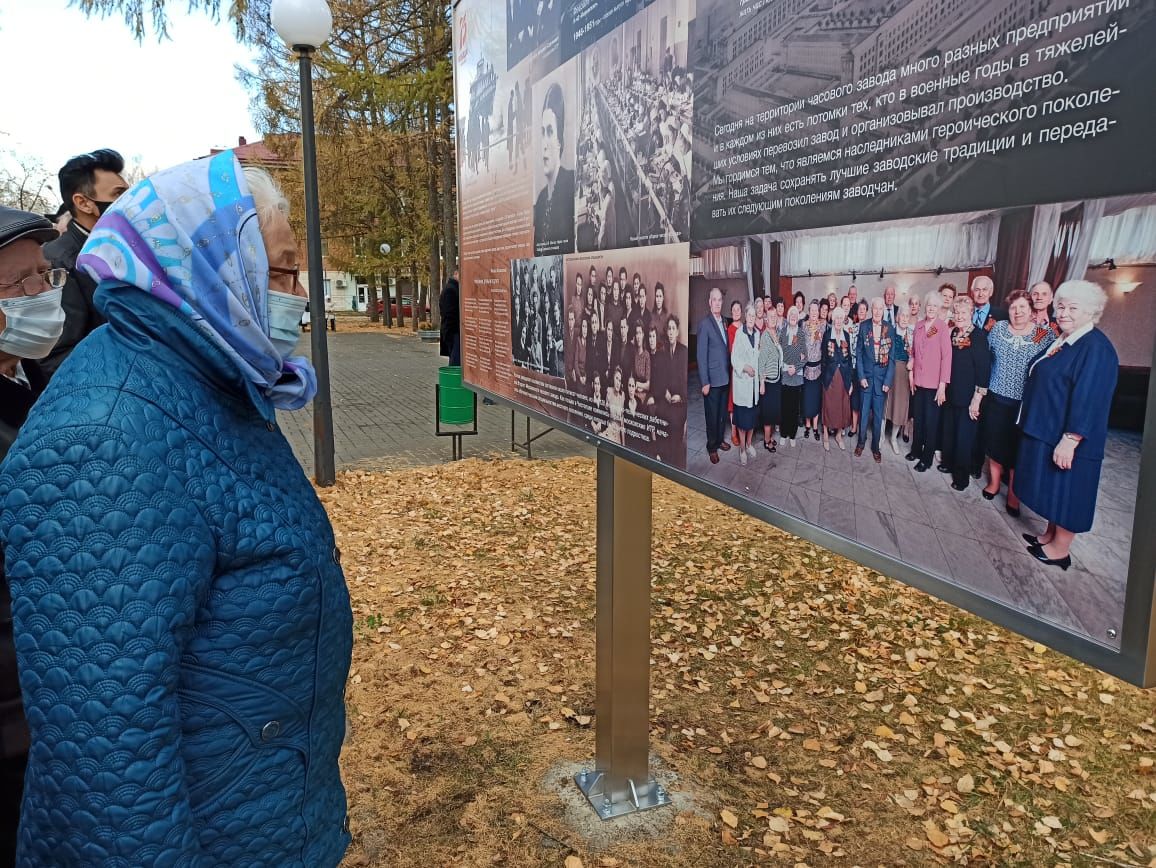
[351,322]
[833,716]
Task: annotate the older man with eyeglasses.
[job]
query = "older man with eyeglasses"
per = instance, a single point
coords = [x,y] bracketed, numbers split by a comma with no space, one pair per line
[31,320]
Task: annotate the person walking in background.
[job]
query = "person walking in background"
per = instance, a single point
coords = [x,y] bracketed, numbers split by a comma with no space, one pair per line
[745,383]
[970,376]
[89,184]
[451,323]
[1013,345]
[812,397]
[1064,417]
[713,358]
[31,321]
[837,373]
[770,378]
[201,720]
[794,357]
[930,374]
[876,372]
[897,409]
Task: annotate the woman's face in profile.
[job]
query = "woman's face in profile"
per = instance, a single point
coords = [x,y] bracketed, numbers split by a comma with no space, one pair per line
[281,250]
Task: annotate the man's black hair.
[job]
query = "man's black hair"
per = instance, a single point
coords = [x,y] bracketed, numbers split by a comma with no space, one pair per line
[78,175]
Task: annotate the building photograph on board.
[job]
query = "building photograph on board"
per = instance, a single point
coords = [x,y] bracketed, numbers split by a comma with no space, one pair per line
[966,393]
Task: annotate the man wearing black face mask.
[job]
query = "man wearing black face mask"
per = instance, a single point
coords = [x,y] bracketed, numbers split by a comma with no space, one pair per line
[89,183]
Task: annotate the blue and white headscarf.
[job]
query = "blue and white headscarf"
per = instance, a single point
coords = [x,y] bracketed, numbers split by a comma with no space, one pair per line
[189,236]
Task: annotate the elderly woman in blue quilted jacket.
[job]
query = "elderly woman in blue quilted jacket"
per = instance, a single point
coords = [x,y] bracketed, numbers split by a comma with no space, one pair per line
[183,625]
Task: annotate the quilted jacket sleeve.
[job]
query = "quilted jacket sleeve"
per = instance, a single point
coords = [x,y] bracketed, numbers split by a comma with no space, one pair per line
[107,556]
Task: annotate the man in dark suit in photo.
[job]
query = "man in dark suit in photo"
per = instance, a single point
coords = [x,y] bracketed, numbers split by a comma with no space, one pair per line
[554,208]
[875,360]
[714,370]
[986,314]
[890,308]
[984,317]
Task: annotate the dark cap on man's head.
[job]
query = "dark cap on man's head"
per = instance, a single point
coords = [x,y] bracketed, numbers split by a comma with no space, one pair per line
[15,225]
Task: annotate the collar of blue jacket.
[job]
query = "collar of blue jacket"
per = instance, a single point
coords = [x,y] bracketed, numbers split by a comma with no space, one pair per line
[147,324]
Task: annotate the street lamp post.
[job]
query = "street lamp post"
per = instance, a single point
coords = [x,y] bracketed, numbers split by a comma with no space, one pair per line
[304,25]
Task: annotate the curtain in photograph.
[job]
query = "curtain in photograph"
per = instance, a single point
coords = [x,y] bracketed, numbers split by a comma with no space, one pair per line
[1044,228]
[1013,251]
[954,246]
[748,254]
[725,261]
[772,257]
[1090,218]
[1063,245]
[1128,238]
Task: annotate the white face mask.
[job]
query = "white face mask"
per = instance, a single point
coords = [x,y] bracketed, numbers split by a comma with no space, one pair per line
[32,324]
[285,321]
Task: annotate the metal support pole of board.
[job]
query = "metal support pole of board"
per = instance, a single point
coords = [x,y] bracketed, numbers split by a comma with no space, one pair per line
[526,445]
[620,782]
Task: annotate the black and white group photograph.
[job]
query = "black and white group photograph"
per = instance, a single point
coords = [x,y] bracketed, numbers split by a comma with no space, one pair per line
[626,340]
[965,393]
[634,140]
[536,323]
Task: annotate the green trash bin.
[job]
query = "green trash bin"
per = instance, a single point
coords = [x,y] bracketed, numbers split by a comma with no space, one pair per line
[455,402]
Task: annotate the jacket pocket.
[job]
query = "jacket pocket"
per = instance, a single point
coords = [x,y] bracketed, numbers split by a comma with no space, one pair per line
[231,724]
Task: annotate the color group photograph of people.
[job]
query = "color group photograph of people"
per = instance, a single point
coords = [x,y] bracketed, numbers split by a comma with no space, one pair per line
[983,431]
[625,349]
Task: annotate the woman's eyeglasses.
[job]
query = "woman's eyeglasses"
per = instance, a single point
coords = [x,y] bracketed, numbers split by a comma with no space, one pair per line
[294,272]
[42,281]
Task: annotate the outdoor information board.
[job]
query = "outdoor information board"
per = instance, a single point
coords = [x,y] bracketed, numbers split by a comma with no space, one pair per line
[624,167]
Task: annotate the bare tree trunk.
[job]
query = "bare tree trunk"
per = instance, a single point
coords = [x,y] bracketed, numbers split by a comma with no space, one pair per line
[386,308]
[434,288]
[432,173]
[449,212]
[415,295]
[371,294]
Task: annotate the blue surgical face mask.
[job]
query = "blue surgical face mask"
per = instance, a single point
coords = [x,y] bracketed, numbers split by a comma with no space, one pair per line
[285,321]
[32,324]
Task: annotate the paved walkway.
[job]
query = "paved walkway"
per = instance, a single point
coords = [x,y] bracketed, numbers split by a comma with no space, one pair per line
[383,409]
